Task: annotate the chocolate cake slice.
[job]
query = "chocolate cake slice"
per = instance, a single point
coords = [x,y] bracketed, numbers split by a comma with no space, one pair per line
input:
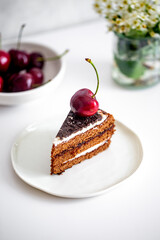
[81,138]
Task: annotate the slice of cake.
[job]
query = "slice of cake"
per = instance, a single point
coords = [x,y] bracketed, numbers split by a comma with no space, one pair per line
[86,131]
[81,138]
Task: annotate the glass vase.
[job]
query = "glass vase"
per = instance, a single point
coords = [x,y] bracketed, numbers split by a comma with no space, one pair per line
[136,61]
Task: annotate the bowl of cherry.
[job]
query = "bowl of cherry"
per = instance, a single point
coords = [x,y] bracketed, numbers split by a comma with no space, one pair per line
[28,72]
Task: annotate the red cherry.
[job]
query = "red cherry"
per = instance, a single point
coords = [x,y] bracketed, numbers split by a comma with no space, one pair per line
[83,103]
[19,59]
[20,82]
[9,79]
[37,75]
[1,84]
[38,60]
[4,61]
[34,60]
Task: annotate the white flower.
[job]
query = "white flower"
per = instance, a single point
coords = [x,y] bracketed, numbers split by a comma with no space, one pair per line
[126,15]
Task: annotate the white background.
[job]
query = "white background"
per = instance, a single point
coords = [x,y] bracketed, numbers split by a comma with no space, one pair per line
[130,211]
[41,16]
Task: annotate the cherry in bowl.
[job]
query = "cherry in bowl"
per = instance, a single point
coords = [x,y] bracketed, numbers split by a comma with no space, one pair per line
[1,83]
[4,61]
[20,82]
[53,71]
[19,60]
[38,76]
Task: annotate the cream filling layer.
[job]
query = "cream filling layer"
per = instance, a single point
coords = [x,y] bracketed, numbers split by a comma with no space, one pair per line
[87,151]
[57,140]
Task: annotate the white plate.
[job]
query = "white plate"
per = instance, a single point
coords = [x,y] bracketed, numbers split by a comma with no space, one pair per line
[53,70]
[31,161]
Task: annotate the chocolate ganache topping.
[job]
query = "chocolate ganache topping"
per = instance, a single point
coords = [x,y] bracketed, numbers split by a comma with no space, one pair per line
[74,123]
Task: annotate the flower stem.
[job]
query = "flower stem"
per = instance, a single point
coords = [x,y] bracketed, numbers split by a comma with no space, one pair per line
[19,36]
[39,59]
[89,60]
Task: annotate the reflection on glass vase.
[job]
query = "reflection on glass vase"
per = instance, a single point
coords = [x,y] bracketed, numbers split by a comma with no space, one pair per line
[136,61]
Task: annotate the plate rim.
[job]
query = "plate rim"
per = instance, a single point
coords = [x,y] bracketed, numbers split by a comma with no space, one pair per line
[24,132]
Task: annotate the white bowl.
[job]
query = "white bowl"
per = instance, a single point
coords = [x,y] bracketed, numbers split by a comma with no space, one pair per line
[53,70]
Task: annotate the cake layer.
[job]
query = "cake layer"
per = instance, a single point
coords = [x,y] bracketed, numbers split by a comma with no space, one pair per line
[80,147]
[83,135]
[58,169]
[80,138]
[74,123]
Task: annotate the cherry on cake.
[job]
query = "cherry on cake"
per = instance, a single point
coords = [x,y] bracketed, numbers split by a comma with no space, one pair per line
[86,131]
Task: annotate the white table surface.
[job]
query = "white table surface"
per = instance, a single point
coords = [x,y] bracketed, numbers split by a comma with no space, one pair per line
[129,212]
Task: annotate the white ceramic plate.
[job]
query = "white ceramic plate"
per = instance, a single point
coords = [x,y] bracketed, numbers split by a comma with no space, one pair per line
[31,161]
[53,70]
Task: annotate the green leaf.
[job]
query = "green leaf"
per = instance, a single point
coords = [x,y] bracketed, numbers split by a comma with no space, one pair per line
[156,28]
[134,33]
[132,69]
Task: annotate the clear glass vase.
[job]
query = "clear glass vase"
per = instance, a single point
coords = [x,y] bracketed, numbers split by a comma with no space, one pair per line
[136,61]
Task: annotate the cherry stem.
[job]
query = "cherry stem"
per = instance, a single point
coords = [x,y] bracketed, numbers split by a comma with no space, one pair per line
[20,36]
[39,59]
[89,60]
